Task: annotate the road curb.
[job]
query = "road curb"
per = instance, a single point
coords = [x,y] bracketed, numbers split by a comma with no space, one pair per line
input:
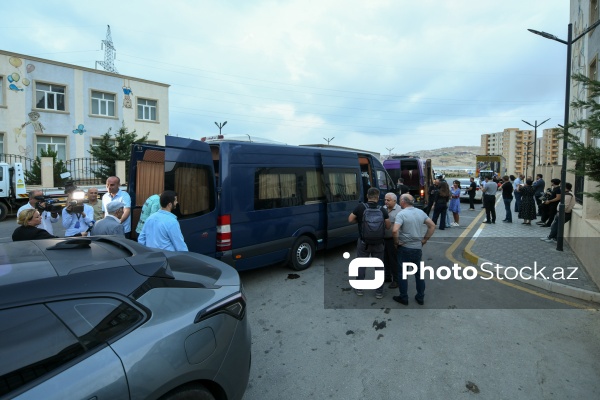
[545,284]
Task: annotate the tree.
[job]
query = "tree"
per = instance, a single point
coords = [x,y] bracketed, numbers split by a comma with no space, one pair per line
[586,154]
[34,175]
[111,149]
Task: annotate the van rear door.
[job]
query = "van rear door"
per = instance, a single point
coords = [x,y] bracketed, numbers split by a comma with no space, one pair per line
[189,172]
[343,185]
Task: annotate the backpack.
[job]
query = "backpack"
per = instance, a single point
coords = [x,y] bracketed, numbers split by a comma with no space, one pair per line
[373,225]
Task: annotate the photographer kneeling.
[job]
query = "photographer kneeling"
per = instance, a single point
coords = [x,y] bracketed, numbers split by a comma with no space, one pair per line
[28,221]
[78,218]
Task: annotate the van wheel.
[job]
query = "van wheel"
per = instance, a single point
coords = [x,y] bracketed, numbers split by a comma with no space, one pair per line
[3,211]
[302,254]
[189,392]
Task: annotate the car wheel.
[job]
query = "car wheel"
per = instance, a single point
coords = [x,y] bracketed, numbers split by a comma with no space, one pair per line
[3,211]
[189,392]
[302,254]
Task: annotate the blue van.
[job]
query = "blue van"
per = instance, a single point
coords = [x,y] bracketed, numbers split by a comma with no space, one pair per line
[255,204]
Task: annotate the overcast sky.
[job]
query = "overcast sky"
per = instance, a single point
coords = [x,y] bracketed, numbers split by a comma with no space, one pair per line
[371,74]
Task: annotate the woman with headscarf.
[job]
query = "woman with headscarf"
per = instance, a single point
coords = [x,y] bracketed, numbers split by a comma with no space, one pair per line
[527,210]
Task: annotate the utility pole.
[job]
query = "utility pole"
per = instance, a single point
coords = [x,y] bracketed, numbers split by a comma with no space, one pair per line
[390,150]
[534,140]
[110,53]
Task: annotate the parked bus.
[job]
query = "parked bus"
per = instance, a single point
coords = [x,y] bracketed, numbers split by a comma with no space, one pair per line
[417,174]
[255,204]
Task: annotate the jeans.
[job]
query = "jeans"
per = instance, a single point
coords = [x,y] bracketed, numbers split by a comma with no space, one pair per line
[440,208]
[517,201]
[412,256]
[507,209]
[554,226]
[489,202]
[366,250]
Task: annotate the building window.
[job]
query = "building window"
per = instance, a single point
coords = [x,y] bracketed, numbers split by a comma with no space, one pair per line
[96,142]
[146,109]
[54,143]
[1,143]
[103,104]
[593,11]
[1,90]
[50,96]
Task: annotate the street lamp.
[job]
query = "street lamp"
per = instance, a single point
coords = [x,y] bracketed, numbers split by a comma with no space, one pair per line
[527,146]
[328,140]
[563,174]
[534,141]
[221,126]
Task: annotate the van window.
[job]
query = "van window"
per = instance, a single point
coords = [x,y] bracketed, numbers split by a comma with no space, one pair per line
[287,187]
[343,186]
[194,187]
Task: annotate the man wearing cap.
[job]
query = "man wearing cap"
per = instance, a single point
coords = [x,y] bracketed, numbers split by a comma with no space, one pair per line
[114,193]
[110,225]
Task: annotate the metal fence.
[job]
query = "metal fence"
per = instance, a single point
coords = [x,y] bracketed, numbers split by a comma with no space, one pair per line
[83,170]
[13,158]
[578,187]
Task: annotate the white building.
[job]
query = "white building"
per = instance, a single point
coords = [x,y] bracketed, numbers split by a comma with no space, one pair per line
[46,104]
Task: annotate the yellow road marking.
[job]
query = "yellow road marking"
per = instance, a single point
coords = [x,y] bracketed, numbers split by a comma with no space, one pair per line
[459,240]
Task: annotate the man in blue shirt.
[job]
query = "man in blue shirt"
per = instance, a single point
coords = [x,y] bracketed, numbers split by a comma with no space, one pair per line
[114,193]
[161,230]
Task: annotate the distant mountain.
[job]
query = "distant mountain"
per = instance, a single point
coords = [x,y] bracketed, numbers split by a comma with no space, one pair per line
[457,156]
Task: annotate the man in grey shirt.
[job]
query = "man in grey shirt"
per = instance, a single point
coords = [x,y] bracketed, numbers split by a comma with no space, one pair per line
[489,200]
[408,237]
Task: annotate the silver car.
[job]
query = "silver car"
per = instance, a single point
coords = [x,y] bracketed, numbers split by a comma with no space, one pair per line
[464,185]
[107,318]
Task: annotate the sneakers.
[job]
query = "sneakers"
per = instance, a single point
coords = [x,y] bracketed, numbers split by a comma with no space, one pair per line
[471,209]
[544,238]
[400,300]
[358,292]
[454,224]
[379,295]
[419,301]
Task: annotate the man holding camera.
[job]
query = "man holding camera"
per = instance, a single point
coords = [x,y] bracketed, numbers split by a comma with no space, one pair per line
[78,218]
[38,201]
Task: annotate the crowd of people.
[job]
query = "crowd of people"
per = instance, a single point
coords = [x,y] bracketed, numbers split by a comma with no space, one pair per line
[111,215]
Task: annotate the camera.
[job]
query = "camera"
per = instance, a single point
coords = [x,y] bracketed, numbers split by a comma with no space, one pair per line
[49,205]
[75,205]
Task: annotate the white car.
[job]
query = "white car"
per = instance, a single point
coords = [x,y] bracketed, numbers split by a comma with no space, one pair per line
[464,184]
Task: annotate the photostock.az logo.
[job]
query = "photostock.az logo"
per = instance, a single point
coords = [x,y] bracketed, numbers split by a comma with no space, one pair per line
[364,262]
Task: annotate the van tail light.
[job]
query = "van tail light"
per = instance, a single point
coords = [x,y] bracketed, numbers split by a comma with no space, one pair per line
[224,233]
[422,192]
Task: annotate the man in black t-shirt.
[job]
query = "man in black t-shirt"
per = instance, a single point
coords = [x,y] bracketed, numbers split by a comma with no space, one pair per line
[549,206]
[507,197]
[365,249]
[471,191]
[402,188]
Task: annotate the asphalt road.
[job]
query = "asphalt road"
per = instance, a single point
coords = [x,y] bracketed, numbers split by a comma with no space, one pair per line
[313,338]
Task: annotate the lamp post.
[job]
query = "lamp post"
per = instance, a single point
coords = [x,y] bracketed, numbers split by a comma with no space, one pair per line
[563,173]
[534,140]
[328,140]
[527,146]
[221,126]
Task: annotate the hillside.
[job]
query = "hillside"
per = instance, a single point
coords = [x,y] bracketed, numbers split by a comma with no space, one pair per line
[448,157]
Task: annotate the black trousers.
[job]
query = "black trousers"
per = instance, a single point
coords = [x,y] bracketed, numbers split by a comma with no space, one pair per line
[489,202]
[390,260]
[471,200]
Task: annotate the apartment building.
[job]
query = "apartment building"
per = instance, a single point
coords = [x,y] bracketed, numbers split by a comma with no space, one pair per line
[46,104]
[515,145]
